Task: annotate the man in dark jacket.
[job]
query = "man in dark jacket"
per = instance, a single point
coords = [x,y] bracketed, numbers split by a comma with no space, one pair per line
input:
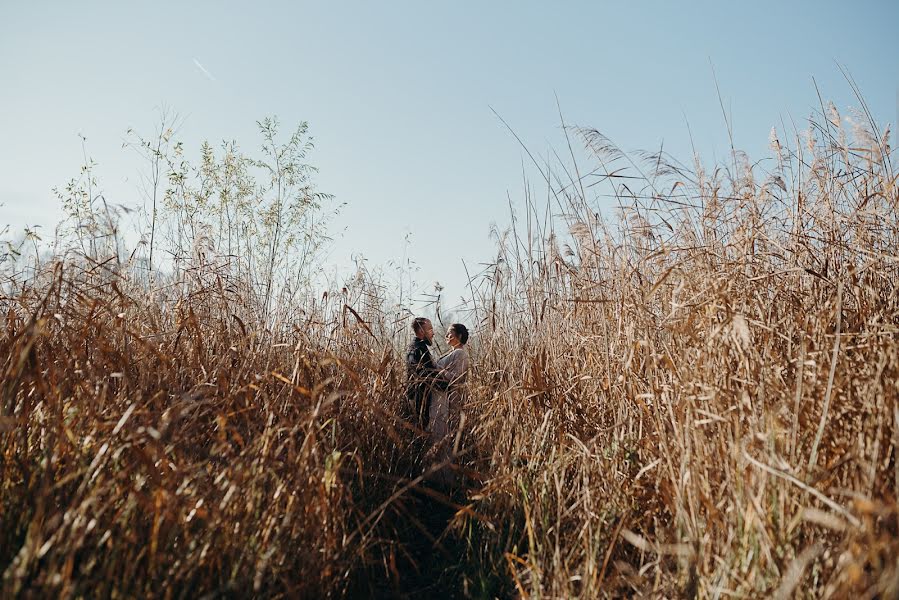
[420,370]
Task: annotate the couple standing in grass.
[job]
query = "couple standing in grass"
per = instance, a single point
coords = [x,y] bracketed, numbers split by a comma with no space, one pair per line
[435,387]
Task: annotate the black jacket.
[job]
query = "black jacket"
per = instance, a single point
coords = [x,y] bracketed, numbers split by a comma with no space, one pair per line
[420,370]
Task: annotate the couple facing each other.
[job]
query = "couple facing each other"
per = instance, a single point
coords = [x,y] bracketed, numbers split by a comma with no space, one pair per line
[434,388]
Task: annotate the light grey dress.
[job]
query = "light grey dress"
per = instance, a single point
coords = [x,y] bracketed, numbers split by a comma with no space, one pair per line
[446,405]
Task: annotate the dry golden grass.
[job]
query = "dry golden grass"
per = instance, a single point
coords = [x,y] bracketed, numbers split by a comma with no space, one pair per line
[704,401]
[159,446]
[696,400]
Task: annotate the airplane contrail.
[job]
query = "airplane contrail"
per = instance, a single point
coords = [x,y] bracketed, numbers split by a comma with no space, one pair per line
[203,69]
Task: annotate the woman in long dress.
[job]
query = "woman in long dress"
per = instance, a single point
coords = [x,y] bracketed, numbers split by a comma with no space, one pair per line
[446,400]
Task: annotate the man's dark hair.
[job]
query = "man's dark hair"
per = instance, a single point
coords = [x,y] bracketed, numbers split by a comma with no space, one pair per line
[418,324]
[460,331]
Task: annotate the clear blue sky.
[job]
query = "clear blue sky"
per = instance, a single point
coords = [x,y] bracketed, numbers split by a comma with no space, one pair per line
[398,94]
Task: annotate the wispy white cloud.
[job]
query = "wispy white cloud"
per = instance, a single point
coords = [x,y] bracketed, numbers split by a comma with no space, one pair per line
[203,70]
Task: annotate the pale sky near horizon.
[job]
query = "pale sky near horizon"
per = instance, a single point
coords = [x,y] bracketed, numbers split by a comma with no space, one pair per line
[398,96]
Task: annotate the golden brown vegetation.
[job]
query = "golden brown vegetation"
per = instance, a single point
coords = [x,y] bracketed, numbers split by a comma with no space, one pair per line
[699,399]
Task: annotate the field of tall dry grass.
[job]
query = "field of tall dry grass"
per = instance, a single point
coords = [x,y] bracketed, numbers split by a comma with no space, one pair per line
[695,397]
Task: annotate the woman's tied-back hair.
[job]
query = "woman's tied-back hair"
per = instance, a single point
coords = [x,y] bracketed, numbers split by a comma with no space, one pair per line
[418,324]
[460,331]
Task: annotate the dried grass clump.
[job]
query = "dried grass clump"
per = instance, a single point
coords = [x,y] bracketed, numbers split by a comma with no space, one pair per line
[163,443]
[703,400]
